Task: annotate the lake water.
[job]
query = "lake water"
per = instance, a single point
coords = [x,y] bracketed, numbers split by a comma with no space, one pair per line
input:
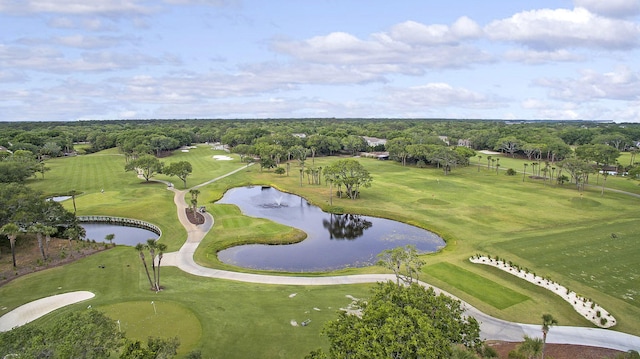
[129,236]
[333,241]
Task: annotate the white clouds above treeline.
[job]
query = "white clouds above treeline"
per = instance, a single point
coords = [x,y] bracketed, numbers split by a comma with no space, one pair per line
[108,58]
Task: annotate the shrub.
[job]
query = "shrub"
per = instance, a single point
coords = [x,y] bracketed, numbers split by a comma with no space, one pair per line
[511,172]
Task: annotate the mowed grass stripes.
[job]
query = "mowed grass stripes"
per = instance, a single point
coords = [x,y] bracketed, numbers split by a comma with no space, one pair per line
[488,291]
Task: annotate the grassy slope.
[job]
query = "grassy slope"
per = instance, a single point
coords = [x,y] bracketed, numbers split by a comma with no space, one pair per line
[484,212]
[534,225]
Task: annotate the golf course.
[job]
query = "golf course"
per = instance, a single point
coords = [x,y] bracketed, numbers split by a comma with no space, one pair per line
[585,240]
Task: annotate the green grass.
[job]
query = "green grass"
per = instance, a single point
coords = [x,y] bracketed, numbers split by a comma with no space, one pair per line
[550,229]
[223,319]
[139,320]
[483,289]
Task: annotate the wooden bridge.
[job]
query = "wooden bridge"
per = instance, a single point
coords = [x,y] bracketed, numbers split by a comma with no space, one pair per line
[121,221]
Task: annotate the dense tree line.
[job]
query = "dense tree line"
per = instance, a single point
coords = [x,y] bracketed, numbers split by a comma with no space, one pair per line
[440,143]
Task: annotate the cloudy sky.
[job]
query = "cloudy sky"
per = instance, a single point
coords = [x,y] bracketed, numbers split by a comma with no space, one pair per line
[64,60]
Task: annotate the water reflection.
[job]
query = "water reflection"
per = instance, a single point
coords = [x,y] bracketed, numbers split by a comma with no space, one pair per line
[346,226]
[333,241]
[128,236]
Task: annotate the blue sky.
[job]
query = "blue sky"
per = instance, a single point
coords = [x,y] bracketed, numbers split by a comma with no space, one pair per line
[65,60]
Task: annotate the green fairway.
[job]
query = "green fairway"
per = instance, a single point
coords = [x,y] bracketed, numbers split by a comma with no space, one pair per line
[479,287]
[553,230]
[223,319]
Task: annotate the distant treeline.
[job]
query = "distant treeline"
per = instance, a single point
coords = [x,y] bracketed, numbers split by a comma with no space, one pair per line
[278,139]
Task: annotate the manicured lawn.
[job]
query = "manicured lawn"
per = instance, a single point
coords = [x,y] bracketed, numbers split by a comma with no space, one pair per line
[223,319]
[551,229]
[477,286]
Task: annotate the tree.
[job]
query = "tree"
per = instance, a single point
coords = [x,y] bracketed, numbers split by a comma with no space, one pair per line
[547,322]
[140,248]
[146,166]
[397,148]
[11,230]
[151,246]
[73,193]
[194,199]
[579,170]
[161,247]
[40,229]
[83,334]
[109,238]
[157,348]
[75,232]
[354,144]
[531,348]
[403,261]
[401,322]
[181,169]
[508,144]
[348,173]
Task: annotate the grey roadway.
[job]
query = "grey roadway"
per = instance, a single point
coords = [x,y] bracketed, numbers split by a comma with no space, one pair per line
[490,328]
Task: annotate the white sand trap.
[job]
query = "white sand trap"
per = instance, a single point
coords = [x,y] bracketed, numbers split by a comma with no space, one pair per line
[185,150]
[486,152]
[292,295]
[294,323]
[33,310]
[222,158]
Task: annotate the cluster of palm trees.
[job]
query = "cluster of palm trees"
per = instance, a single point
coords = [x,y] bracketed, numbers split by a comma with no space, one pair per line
[43,234]
[154,248]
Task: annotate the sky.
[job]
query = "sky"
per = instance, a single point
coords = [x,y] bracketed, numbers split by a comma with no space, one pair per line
[69,60]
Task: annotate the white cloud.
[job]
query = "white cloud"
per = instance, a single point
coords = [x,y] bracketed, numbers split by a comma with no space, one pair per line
[417,34]
[613,8]
[439,95]
[76,7]
[547,29]
[622,84]
[408,48]
[534,57]
[12,76]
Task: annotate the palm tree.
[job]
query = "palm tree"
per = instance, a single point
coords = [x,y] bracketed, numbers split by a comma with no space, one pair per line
[531,347]
[194,198]
[140,248]
[525,171]
[75,233]
[73,194]
[488,162]
[48,232]
[161,247]
[39,229]
[109,238]
[151,246]
[11,230]
[547,322]
[479,158]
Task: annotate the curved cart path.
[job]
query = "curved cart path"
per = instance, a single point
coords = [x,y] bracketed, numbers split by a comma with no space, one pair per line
[33,310]
[491,328]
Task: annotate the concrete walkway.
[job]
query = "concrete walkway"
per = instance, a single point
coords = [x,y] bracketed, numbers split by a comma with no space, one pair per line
[490,328]
[33,310]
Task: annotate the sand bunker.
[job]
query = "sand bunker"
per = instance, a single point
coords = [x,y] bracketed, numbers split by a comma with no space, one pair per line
[222,158]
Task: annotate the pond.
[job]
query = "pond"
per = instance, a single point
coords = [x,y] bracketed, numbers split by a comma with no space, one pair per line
[333,241]
[124,235]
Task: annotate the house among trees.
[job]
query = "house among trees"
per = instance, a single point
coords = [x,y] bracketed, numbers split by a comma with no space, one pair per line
[445,139]
[464,143]
[373,142]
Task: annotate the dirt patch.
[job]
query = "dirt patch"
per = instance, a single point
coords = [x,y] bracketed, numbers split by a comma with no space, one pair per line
[559,351]
[194,217]
[29,259]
